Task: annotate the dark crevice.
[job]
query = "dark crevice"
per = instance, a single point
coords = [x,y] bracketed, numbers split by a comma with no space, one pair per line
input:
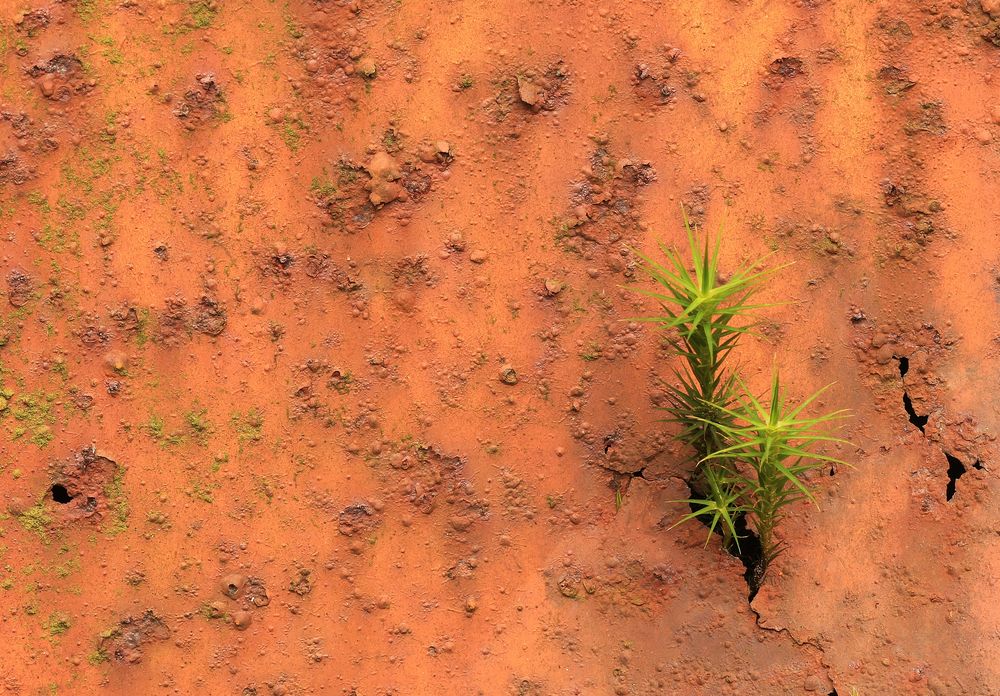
[749,550]
[956,468]
[621,480]
[751,554]
[955,471]
[833,693]
[625,476]
[808,642]
[915,419]
[610,440]
[60,494]
[919,421]
[638,473]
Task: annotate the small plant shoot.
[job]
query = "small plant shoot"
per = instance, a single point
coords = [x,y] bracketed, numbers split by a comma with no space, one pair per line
[750,455]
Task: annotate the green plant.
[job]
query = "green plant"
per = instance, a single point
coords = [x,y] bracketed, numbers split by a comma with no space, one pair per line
[701,312]
[290,26]
[721,508]
[763,470]
[705,317]
[751,459]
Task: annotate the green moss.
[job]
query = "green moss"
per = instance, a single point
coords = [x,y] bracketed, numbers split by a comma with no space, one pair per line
[211,613]
[113,55]
[115,491]
[142,327]
[70,209]
[154,426]
[57,624]
[203,491]
[90,168]
[290,131]
[290,26]
[342,383]
[60,368]
[593,352]
[36,520]
[391,140]
[56,239]
[98,656]
[265,489]
[199,424]
[67,568]
[157,430]
[347,174]
[322,186]
[218,460]
[35,414]
[200,14]
[38,199]
[86,9]
[249,426]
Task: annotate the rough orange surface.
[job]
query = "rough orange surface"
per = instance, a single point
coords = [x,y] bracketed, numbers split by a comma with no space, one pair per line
[318,367]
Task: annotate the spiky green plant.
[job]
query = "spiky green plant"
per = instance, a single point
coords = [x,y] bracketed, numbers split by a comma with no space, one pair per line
[722,506]
[751,459]
[764,467]
[705,316]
